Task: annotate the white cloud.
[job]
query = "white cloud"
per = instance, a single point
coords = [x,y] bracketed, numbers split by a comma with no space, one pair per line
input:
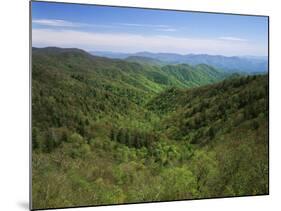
[232,39]
[67,24]
[143,25]
[124,42]
[54,22]
[64,23]
[167,29]
[156,27]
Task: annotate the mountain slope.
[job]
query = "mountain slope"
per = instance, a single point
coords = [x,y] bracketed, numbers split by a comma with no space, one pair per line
[71,87]
[138,77]
[227,120]
[144,60]
[248,64]
[193,114]
[234,63]
[192,76]
[107,131]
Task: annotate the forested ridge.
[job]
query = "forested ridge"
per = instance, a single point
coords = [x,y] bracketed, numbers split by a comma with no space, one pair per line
[107,131]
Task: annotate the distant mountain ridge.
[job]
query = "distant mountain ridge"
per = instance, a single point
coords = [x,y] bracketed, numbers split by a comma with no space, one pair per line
[249,64]
[124,76]
[144,60]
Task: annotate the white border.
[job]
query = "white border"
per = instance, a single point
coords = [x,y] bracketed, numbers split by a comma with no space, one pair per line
[14,112]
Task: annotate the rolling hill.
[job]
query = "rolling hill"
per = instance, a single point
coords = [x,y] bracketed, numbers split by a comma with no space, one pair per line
[248,64]
[137,76]
[107,131]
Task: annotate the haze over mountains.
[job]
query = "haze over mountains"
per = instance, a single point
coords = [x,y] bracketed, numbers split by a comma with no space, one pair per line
[136,105]
[133,72]
[249,64]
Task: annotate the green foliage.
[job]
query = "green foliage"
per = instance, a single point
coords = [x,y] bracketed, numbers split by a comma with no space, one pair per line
[109,131]
[179,183]
[200,114]
[133,138]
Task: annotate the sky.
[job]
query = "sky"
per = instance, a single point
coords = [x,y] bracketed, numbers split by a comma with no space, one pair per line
[131,30]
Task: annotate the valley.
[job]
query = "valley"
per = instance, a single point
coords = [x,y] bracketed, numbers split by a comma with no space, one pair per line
[137,129]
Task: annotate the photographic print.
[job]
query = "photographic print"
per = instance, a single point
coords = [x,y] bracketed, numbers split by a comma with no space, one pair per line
[134,105]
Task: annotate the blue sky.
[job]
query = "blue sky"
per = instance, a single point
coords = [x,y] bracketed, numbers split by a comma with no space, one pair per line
[100,28]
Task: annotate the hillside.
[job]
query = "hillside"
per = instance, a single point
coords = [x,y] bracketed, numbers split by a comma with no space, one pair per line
[197,115]
[118,74]
[144,60]
[72,88]
[107,131]
[246,64]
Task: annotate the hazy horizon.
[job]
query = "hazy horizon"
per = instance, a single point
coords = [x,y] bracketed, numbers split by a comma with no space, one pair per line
[131,30]
[133,53]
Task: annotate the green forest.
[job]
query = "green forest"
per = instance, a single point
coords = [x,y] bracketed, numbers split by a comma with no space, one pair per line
[111,131]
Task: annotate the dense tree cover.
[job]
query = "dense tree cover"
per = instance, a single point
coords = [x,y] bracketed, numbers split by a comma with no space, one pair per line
[197,115]
[108,131]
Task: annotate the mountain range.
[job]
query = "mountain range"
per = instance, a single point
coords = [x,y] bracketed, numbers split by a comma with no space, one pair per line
[248,64]
[132,72]
[111,131]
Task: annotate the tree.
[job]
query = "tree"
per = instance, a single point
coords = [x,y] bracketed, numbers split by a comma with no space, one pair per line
[211,132]
[35,142]
[121,136]
[178,183]
[113,134]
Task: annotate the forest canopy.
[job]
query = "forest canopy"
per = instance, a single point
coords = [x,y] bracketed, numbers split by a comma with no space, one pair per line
[109,131]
